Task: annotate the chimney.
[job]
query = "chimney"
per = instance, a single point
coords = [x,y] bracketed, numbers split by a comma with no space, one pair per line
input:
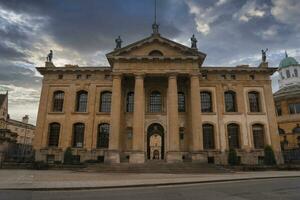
[25,119]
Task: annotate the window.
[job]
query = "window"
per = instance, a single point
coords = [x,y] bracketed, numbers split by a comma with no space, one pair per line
[78,135]
[129,133]
[296,72]
[78,76]
[278,110]
[233,131]
[60,76]
[252,77]
[88,76]
[254,101]
[155,102]
[105,101]
[294,108]
[81,102]
[103,136]
[281,131]
[54,130]
[288,74]
[258,136]
[206,102]
[58,101]
[204,76]
[232,76]
[181,102]
[156,53]
[296,130]
[208,136]
[223,76]
[230,101]
[181,133]
[130,102]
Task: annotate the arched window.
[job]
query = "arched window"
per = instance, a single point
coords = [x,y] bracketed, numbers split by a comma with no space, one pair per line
[156,53]
[54,130]
[258,136]
[254,101]
[155,102]
[130,102]
[296,72]
[206,101]
[288,74]
[105,101]
[233,131]
[58,101]
[103,136]
[208,136]
[230,101]
[78,135]
[81,101]
[181,102]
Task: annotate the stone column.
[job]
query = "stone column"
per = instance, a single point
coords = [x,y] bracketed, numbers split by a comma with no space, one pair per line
[138,154]
[113,155]
[196,128]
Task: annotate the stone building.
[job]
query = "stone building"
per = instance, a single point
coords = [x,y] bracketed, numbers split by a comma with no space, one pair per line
[3,110]
[156,100]
[287,101]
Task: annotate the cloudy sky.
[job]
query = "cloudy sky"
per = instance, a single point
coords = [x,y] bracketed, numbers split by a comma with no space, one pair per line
[231,32]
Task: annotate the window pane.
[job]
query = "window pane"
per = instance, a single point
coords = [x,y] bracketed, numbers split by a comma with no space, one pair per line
[254,101]
[105,102]
[155,102]
[208,136]
[258,136]
[206,102]
[54,130]
[130,102]
[230,102]
[58,101]
[78,135]
[181,102]
[103,136]
[82,98]
[233,136]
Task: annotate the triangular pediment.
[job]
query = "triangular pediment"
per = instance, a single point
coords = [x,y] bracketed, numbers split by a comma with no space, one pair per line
[153,47]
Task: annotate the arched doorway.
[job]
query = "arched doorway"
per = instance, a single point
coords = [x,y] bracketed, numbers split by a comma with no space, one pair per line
[155,142]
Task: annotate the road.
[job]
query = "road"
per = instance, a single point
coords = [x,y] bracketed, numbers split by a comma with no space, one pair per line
[283,189]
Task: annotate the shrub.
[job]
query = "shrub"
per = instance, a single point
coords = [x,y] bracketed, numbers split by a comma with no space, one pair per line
[269,158]
[68,157]
[232,157]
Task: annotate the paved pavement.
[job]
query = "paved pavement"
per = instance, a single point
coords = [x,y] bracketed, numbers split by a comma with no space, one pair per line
[59,179]
[278,189]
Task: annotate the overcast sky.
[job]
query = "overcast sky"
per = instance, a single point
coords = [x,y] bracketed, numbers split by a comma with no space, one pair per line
[230,32]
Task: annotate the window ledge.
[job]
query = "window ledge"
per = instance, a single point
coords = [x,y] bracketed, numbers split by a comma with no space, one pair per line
[56,113]
[232,113]
[80,113]
[156,113]
[103,113]
[208,113]
[256,113]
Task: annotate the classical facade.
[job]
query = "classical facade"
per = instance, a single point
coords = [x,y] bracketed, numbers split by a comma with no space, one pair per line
[287,101]
[156,102]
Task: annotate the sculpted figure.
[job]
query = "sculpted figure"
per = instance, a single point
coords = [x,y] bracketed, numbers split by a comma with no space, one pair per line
[194,42]
[118,42]
[50,56]
[264,55]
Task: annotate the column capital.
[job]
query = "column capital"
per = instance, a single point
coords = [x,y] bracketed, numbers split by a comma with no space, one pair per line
[139,75]
[172,75]
[116,75]
[195,74]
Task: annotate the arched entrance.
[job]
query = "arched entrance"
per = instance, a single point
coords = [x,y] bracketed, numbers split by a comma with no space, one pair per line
[155,142]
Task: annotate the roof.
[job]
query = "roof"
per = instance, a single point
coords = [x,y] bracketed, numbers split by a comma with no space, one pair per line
[20,124]
[288,92]
[44,70]
[288,61]
[2,98]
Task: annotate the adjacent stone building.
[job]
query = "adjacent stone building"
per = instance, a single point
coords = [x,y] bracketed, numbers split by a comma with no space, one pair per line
[156,101]
[287,101]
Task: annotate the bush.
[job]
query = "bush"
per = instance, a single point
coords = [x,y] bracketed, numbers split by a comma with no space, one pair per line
[269,158]
[40,165]
[68,157]
[232,157]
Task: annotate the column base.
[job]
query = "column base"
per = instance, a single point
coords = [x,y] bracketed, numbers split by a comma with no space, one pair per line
[112,156]
[199,157]
[174,157]
[137,157]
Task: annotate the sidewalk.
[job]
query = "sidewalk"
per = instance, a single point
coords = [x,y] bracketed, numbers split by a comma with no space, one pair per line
[67,180]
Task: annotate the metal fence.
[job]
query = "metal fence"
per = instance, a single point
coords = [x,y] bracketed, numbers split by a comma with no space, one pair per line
[291,155]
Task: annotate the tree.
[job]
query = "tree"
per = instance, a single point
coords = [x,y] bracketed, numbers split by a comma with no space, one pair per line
[232,157]
[269,158]
[68,156]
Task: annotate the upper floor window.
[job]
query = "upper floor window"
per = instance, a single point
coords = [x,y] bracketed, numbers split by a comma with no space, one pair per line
[78,135]
[233,131]
[181,133]
[130,102]
[103,136]
[81,101]
[181,102]
[105,101]
[156,53]
[208,136]
[278,110]
[230,101]
[54,130]
[155,102]
[251,76]
[288,73]
[258,136]
[254,101]
[206,102]
[296,72]
[58,101]
[294,108]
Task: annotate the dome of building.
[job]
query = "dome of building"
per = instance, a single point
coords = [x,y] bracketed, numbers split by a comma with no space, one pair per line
[288,61]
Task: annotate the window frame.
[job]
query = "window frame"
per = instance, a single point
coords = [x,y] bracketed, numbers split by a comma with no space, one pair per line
[103,135]
[208,137]
[259,140]
[237,142]
[82,102]
[155,102]
[234,101]
[130,102]
[206,102]
[105,102]
[76,137]
[254,108]
[58,101]
[53,134]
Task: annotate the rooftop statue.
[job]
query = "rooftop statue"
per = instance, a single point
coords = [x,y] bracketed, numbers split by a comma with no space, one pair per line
[118,42]
[264,55]
[194,42]
[50,56]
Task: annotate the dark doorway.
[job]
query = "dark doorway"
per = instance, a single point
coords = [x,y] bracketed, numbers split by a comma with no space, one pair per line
[155,142]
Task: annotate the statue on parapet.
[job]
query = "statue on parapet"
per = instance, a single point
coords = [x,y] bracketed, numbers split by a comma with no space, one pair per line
[118,42]
[50,56]
[194,42]
[264,55]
